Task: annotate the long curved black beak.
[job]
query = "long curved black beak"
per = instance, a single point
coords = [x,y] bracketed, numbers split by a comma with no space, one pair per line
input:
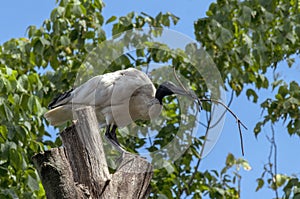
[181,91]
[169,88]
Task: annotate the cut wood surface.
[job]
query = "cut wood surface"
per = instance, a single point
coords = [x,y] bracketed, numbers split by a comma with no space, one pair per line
[79,169]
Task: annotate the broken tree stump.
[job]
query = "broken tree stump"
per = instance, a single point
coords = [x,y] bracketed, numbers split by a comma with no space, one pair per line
[79,169]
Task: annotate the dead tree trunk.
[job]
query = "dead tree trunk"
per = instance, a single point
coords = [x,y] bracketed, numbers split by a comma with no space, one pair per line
[79,168]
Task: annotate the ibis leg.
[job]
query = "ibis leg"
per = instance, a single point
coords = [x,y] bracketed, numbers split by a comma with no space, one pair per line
[110,134]
[107,131]
[113,134]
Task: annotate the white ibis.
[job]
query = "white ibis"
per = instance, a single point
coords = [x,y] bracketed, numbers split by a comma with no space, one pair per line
[119,98]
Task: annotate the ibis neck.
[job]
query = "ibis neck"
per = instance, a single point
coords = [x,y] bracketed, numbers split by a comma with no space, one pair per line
[159,98]
[161,93]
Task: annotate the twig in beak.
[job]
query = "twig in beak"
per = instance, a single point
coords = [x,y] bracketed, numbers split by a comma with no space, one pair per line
[199,101]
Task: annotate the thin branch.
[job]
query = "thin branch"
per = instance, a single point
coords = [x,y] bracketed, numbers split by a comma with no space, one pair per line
[189,183]
[174,71]
[200,100]
[227,108]
[148,62]
[233,114]
[208,115]
[270,171]
[206,136]
[201,123]
[212,126]
[239,182]
[131,57]
[149,138]
[241,139]
[275,155]
[229,103]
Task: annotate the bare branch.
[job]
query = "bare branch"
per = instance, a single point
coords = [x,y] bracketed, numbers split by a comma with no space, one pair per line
[241,139]
[189,183]
[200,100]
[272,172]
[229,103]
[233,114]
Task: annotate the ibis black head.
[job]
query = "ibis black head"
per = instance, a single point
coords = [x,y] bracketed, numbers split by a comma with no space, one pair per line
[168,88]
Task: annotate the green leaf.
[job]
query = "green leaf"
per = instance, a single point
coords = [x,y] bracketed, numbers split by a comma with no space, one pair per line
[280,180]
[31,31]
[117,29]
[140,52]
[225,36]
[35,81]
[230,160]
[78,10]
[65,41]
[47,23]
[245,17]
[260,183]
[245,164]
[99,4]
[292,38]
[56,13]
[37,108]
[15,159]
[44,41]
[294,87]
[33,183]
[30,104]
[165,20]
[83,10]
[290,61]
[22,83]
[8,112]
[38,48]
[3,132]
[251,93]
[90,35]
[297,195]
[175,19]
[283,91]
[111,19]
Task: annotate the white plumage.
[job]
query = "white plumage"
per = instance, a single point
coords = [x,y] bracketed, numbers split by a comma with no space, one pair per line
[119,98]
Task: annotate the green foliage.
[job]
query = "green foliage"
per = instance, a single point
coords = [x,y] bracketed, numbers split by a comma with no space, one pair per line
[133,20]
[284,106]
[21,129]
[245,39]
[289,184]
[61,44]
[207,183]
[292,188]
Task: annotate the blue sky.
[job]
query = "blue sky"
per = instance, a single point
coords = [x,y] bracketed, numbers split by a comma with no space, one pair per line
[17,15]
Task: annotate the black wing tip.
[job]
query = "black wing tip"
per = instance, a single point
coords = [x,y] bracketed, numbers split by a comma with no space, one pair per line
[58,98]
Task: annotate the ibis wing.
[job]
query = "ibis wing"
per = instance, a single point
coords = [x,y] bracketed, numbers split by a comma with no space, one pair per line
[60,99]
[105,90]
[96,91]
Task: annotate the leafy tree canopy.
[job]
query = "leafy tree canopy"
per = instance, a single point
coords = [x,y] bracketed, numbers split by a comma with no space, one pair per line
[245,39]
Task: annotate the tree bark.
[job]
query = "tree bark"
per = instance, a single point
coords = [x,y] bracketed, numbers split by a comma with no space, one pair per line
[79,169]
